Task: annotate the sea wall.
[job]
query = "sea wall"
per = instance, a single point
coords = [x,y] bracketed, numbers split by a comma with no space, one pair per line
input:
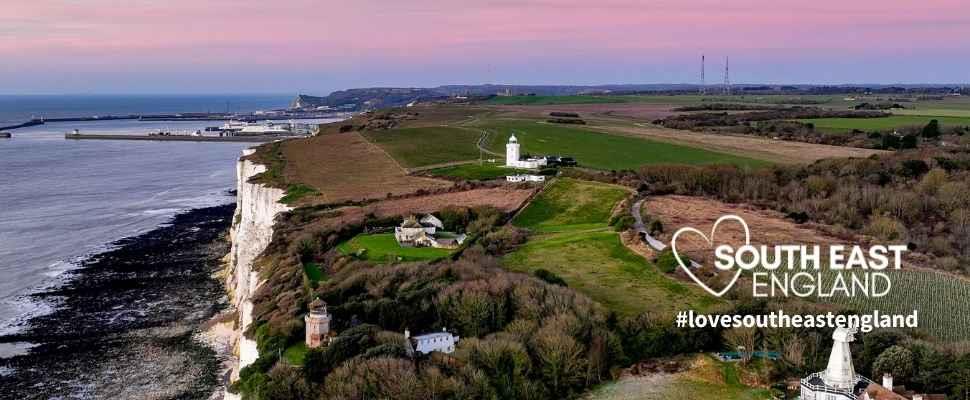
[252,229]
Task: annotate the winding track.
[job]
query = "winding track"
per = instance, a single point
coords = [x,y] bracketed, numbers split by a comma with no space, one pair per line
[642,231]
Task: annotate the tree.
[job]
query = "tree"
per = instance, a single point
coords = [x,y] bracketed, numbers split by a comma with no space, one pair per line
[742,340]
[932,129]
[896,360]
[909,142]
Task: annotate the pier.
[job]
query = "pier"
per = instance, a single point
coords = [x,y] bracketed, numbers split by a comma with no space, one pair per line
[183,138]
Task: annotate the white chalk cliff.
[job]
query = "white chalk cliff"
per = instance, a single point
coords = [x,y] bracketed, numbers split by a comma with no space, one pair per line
[252,229]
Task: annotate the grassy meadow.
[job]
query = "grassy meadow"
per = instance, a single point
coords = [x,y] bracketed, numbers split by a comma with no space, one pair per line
[882,124]
[380,247]
[569,204]
[575,242]
[475,171]
[418,147]
[603,151]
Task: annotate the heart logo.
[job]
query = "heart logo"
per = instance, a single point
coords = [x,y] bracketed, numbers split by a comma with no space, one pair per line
[710,241]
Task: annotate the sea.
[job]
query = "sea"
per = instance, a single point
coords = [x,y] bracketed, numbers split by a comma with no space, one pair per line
[64,200]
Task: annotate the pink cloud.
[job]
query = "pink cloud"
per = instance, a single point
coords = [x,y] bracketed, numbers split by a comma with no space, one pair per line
[343,35]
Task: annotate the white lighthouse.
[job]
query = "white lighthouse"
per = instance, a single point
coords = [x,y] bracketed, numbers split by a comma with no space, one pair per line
[513,155]
[512,152]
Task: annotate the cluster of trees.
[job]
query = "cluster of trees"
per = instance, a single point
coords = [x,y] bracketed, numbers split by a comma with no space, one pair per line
[776,123]
[781,123]
[723,119]
[522,337]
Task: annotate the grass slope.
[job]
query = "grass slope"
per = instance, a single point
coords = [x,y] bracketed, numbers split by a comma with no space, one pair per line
[577,245]
[598,265]
[417,147]
[570,204]
[383,247]
[604,151]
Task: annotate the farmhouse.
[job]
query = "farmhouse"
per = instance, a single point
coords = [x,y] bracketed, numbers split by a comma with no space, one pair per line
[426,232]
[428,342]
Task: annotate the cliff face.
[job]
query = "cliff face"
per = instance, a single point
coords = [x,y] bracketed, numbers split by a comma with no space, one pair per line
[252,230]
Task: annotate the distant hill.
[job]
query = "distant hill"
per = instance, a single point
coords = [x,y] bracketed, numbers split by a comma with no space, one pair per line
[373,98]
[383,97]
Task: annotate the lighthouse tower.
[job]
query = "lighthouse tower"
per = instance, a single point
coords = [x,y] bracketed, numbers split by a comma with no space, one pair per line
[317,324]
[512,152]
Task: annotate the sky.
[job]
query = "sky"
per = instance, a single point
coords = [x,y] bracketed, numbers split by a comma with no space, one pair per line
[314,47]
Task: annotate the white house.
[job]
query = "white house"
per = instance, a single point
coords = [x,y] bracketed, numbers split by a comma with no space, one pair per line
[428,342]
[426,232]
[525,178]
[513,156]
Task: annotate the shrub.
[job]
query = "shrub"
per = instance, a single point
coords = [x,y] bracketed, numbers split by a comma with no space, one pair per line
[667,263]
[896,360]
[549,277]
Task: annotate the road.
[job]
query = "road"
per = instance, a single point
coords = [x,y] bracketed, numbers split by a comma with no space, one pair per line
[645,234]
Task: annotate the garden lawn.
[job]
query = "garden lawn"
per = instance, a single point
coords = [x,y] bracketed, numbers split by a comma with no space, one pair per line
[382,247]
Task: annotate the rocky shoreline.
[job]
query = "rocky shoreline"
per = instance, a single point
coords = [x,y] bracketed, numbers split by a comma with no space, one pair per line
[128,322]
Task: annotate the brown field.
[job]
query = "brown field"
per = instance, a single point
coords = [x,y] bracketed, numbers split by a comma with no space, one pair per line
[507,198]
[345,166]
[606,111]
[780,151]
[767,227]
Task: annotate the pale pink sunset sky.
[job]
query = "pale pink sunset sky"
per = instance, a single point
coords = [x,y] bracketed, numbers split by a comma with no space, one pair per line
[283,46]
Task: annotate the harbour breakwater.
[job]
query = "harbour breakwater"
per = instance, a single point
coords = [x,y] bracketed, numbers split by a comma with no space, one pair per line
[181,138]
[128,323]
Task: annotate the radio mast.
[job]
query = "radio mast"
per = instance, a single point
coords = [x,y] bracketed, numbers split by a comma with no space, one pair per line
[703,82]
[727,75]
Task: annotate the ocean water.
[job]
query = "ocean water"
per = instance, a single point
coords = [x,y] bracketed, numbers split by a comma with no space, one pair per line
[19,108]
[62,200]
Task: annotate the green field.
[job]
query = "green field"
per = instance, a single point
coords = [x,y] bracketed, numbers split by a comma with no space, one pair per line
[601,267]
[549,100]
[577,245]
[882,124]
[475,171]
[942,112]
[569,204]
[604,151]
[416,147]
[382,247]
